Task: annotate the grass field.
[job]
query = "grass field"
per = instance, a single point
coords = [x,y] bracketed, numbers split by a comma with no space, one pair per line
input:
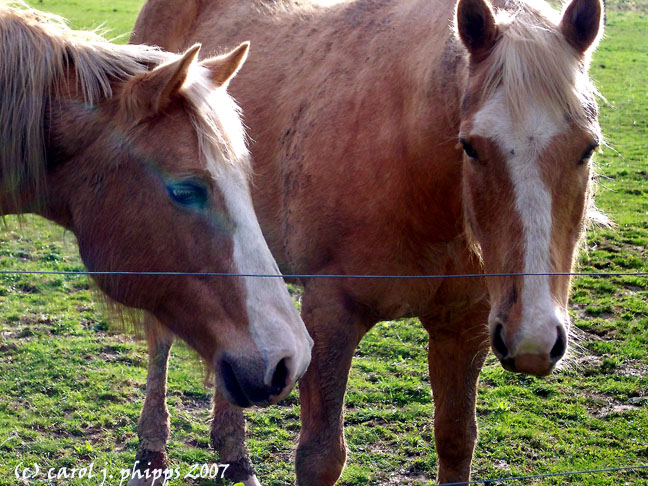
[71,388]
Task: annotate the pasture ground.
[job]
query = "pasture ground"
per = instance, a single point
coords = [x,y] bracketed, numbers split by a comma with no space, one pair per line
[71,387]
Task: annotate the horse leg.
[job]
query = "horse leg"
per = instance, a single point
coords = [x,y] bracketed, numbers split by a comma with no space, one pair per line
[153,425]
[455,357]
[228,439]
[321,452]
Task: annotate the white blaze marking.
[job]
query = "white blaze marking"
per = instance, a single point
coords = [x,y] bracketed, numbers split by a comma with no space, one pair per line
[275,325]
[276,329]
[522,143]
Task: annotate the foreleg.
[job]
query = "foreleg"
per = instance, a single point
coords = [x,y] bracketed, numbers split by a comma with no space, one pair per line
[321,453]
[153,426]
[456,355]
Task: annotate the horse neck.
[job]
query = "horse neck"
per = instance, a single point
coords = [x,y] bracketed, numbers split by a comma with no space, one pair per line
[399,74]
[29,197]
[406,73]
[11,204]
[422,60]
[433,64]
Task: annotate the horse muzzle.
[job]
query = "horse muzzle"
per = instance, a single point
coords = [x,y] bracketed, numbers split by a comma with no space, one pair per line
[250,382]
[534,353]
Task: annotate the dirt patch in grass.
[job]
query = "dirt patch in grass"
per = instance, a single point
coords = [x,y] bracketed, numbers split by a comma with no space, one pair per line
[401,478]
[8,348]
[615,5]
[602,406]
[632,368]
[601,334]
[625,6]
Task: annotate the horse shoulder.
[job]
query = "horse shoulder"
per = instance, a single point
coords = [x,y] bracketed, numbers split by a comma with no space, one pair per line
[165,23]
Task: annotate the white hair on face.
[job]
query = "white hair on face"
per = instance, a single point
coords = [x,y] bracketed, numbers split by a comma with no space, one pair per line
[523,143]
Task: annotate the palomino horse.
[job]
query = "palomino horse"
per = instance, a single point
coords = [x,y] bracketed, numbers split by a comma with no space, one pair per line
[141,154]
[411,137]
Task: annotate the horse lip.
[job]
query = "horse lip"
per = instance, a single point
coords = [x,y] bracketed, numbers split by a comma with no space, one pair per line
[508,364]
[232,387]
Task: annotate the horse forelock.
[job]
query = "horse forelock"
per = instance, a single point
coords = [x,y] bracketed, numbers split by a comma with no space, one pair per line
[36,54]
[217,120]
[532,60]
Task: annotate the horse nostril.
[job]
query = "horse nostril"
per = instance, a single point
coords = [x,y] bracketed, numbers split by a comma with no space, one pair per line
[559,347]
[279,378]
[498,342]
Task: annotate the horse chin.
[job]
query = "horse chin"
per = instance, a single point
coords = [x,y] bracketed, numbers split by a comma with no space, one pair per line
[528,364]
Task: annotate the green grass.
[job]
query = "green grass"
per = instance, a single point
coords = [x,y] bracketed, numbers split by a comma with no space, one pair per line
[114,17]
[71,389]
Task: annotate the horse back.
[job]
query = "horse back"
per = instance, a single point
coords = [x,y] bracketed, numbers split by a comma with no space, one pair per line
[165,23]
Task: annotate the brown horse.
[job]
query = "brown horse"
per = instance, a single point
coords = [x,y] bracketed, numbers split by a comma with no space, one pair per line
[141,154]
[411,137]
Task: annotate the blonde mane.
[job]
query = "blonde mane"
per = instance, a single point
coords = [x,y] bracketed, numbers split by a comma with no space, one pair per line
[532,61]
[37,51]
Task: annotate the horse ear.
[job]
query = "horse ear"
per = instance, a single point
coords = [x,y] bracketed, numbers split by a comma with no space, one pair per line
[149,93]
[582,23]
[223,68]
[476,26]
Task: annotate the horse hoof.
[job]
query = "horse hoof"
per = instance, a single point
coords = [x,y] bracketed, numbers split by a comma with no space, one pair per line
[148,469]
[140,482]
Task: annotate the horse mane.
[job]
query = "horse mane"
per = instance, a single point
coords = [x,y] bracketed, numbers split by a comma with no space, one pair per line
[531,60]
[38,52]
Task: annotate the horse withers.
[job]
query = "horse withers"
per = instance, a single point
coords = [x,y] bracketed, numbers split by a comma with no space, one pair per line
[141,154]
[411,137]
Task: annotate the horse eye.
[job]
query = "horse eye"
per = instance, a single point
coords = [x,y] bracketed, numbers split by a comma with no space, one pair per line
[469,149]
[189,194]
[587,154]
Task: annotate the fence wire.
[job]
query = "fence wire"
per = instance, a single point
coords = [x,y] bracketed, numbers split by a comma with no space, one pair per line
[544,476]
[316,275]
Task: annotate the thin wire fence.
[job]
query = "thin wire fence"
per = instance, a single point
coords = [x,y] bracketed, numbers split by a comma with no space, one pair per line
[332,276]
[546,475]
